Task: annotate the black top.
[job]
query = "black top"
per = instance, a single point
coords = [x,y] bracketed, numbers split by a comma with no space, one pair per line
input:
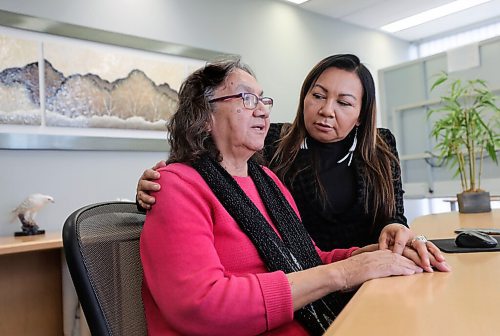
[342,222]
[337,178]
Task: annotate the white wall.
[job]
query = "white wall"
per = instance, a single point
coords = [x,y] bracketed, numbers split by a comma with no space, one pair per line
[73,178]
[279,41]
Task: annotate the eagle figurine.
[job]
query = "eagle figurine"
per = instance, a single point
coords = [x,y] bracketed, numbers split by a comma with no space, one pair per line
[26,212]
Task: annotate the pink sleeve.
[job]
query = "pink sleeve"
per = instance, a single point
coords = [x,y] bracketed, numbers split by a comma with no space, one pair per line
[185,276]
[326,257]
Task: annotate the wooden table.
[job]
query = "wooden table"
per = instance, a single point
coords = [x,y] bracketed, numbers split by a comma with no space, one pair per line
[465,301]
[30,285]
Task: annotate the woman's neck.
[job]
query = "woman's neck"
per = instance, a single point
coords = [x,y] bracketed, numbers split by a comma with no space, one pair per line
[235,167]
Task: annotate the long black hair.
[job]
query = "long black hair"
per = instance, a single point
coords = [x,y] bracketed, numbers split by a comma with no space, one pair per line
[376,157]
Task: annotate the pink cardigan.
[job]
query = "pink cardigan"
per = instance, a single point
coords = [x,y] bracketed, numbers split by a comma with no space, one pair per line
[202,274]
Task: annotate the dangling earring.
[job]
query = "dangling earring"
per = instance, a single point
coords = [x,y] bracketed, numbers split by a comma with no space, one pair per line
[351,150]
[303,145]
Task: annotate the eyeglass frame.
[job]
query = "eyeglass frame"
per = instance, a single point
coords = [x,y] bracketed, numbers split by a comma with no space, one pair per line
[242,96]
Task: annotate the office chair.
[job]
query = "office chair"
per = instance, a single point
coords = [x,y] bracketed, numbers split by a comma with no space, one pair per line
[101,243]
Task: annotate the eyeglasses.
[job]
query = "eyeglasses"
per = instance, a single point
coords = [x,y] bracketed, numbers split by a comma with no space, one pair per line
[250,100]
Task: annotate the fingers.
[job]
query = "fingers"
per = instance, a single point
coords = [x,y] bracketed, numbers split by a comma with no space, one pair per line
[402,237]
[395,237]
[383,240]
[146,185]
[150,174]
[405,266]
[143,205]
[421,247]
[435,251]
[159,164]
[143,189]
[412,254]
[145,200]
[427,252]
[437,259]
[441,266]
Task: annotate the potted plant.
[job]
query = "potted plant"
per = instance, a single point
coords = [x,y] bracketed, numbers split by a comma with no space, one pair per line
[465,130]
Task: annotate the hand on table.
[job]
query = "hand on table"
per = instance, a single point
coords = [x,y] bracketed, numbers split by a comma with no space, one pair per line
[401,240]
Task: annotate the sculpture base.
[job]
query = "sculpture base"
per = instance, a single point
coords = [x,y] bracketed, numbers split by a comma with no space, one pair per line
[32,233]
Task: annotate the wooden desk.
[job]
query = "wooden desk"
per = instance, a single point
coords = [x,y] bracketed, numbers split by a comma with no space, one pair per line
[465,301]
[30,285]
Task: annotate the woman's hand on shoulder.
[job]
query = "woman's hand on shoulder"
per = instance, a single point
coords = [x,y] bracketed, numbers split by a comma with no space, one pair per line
[146,185]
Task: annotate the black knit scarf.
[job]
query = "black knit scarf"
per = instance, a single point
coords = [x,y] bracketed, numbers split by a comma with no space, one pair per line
[292,253]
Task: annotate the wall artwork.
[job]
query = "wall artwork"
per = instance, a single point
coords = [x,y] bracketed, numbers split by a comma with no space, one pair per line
[85,87]
[19,81]
[61,83]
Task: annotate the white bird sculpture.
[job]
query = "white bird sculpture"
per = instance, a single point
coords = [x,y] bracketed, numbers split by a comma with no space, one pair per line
[27,210]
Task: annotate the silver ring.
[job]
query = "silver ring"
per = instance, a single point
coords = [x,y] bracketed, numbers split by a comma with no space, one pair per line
[420,238]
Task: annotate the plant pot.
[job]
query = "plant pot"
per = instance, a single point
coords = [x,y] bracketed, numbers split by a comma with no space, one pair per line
[474,202]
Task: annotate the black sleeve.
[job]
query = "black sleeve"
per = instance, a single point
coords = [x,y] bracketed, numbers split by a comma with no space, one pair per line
[399,216]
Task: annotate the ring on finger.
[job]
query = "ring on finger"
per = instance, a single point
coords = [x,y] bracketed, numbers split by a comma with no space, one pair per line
[419,238]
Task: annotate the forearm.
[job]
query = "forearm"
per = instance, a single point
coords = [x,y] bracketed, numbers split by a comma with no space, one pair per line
[312,284]
[365,263]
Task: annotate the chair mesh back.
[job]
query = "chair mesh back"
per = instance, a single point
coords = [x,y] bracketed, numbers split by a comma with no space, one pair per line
[108,236]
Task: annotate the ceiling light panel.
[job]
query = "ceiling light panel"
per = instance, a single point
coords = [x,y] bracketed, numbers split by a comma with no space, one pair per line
[432,14]
[298,2]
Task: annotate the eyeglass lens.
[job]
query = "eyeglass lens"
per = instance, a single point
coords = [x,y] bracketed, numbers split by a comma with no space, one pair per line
[250,101]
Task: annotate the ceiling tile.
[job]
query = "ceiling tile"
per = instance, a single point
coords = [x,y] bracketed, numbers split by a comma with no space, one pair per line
[375,13]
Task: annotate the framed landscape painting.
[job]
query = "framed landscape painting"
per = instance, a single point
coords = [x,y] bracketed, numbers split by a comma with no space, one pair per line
[19,81]
[109,88]
[65,93]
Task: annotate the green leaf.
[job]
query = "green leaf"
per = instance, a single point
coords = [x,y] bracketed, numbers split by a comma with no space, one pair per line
[439,81]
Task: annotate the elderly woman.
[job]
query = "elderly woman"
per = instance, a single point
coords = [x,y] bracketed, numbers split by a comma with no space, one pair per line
[223,250]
